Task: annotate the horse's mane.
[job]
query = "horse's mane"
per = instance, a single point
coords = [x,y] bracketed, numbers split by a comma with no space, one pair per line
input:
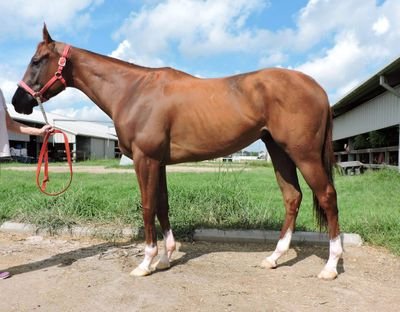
[120,62]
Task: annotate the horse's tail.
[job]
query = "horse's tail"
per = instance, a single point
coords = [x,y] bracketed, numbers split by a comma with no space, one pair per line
[328,161]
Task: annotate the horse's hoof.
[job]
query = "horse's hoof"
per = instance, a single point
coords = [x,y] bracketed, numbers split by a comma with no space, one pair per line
[327,275]
[268,264]
[140,272]
[162,265]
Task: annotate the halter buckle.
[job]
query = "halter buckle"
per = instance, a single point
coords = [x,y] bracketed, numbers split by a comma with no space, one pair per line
[62,61]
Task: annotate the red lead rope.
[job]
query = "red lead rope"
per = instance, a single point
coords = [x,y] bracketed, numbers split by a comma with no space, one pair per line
[44,156]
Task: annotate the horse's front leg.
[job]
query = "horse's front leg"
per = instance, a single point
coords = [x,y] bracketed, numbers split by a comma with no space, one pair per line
[148,173]
[162,215]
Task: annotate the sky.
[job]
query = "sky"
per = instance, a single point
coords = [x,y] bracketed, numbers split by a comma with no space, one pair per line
[340,43]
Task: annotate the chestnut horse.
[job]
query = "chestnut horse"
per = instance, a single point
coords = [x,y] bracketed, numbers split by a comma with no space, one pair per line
[164,116]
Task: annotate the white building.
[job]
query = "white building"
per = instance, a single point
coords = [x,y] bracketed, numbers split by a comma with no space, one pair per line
[367,120]
[88,140]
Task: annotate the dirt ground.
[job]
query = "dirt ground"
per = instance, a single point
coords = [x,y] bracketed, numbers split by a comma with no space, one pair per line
[71,274]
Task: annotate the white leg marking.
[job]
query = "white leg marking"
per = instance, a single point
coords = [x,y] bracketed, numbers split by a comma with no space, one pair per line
[329,272]
[144,268]
[281,248]
[169,247]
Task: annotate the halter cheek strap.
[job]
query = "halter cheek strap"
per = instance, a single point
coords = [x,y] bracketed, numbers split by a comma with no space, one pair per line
[62,61]
[39,96]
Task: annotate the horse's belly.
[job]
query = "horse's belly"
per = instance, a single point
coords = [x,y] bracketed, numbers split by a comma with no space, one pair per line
[203,147]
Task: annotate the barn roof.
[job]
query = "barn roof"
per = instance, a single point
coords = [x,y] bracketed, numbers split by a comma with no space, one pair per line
[369,89]
[72,126]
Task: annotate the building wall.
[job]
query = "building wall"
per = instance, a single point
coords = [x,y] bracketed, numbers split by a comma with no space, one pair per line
[110,149]
[380,112]
[86,147]
[82,148]
[12,136]
[101,148]
[59,138]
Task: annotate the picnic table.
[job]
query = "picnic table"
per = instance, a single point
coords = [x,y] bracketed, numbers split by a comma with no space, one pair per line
[352,167]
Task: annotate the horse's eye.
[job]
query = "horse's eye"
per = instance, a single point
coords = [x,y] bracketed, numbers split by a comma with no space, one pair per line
[35,61]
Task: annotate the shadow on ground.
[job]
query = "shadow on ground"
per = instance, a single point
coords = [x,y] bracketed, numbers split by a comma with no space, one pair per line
[190,251]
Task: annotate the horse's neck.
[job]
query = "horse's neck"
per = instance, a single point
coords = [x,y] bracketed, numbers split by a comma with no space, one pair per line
[103,79]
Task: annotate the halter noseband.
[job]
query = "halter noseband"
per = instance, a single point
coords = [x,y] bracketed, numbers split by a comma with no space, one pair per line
[62,61]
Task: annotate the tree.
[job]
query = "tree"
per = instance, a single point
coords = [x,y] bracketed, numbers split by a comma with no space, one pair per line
[377,139]
[360,141]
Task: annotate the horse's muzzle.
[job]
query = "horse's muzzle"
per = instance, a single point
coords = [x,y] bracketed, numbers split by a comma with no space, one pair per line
[23,102]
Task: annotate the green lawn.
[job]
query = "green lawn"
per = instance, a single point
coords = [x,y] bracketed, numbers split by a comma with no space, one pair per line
[369,204]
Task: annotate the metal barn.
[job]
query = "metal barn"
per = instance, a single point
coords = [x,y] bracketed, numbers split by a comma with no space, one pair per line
[88,140]
[366,121]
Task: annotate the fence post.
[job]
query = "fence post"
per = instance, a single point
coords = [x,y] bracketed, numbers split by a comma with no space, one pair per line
[398,152]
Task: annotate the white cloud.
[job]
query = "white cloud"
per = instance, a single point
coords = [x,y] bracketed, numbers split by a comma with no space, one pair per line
[381,26]
[8,79]
[323,19]
[197,27]
[351,55]
[273,59]
[125,52]
[23,19]
[75,104]
[334,68]
[345,89]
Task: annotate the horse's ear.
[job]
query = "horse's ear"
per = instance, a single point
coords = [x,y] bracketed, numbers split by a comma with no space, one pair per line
[46,35]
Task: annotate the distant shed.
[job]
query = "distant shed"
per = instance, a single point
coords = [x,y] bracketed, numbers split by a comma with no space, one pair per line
[88,140]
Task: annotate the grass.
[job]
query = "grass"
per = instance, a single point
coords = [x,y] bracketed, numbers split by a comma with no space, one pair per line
[370,206]
[107,163]
[247,199]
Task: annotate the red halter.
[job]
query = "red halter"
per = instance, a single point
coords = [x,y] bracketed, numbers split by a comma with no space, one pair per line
[57,77]
[44,157]
[39,96]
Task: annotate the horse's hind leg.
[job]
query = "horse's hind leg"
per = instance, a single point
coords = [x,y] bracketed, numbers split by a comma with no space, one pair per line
[316,177]
[286,176]
[162,215]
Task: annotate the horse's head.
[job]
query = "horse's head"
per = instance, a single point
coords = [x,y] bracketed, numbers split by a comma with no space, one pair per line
[45,77]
